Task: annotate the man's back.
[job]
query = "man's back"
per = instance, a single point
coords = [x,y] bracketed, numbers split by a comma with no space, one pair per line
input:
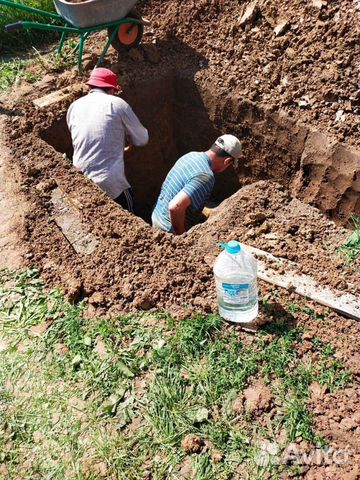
[98,124]
[191,174]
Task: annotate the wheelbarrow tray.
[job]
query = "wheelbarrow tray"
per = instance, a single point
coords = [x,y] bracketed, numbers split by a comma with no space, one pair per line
[93,12]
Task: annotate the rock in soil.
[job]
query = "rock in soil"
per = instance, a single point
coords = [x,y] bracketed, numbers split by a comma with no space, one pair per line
[192,443]
[258,398]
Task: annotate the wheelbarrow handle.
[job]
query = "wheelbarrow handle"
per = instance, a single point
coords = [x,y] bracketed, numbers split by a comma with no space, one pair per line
[14,26]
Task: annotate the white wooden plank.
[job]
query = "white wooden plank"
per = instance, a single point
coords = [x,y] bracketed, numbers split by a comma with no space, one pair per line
[57,96]
[345,303]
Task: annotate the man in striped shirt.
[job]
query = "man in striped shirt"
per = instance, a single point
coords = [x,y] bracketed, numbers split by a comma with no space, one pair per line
[190,182]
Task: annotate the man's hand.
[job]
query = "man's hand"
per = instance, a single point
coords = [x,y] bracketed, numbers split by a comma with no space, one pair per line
[177,208]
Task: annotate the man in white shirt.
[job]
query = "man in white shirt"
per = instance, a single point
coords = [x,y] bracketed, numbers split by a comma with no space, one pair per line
[100,123]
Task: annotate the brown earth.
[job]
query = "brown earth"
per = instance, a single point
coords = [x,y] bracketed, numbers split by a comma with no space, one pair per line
[192,443]
[257,398]
[11,212]
[203,69]
[308,68]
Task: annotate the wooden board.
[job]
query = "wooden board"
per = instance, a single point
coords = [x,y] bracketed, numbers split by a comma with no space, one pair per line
[68,219]
[55,97]
[346,304]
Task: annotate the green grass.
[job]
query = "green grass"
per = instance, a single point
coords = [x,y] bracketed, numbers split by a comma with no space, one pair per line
[12,70]
[351,248]
[20,40]
[21,59]
[114,398]
[33,69]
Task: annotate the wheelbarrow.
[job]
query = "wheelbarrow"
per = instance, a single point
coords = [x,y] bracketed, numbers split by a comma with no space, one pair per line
[125,28]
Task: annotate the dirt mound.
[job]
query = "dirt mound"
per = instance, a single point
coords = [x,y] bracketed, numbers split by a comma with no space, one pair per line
[264,215]
[11,250]
[192,443]
[298,57]
[256,399]
[135,267]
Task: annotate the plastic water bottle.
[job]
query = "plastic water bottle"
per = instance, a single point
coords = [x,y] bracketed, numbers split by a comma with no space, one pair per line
[235,272]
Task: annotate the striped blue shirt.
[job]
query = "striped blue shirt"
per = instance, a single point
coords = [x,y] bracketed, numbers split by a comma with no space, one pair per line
[191,174]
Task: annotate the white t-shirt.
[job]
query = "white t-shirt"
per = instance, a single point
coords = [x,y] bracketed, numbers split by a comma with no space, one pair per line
[98,124]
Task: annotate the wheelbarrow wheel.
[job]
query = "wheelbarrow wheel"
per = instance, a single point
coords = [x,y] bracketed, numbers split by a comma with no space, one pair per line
[128,34]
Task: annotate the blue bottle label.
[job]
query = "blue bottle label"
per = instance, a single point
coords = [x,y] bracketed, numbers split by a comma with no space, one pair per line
[236,293]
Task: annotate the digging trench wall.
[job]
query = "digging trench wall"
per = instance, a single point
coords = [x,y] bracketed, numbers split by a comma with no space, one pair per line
[181,117]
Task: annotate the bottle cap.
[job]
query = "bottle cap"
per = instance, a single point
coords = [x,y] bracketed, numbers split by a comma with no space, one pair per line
[232,247]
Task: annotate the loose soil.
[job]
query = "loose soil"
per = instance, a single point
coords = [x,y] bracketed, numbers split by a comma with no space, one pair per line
[204,68]
[192,444]
[11,211]
[307,68]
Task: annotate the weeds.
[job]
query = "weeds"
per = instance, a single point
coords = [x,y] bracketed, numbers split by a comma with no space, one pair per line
[15,70]
[22,39]
[114,397]
[169,411]
[32,70]
[53,62]
[351,248]
[297,420]
[330,371]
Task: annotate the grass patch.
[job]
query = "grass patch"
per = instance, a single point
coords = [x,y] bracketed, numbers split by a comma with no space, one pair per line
[21,58]
[15,69]
[114,398]
[31,70]
[21,40]
[351,248]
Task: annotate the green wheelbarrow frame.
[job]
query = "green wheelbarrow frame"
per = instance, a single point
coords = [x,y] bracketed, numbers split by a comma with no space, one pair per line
[68,28]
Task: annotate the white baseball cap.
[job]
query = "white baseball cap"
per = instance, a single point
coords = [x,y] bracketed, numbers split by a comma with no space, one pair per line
[230,145]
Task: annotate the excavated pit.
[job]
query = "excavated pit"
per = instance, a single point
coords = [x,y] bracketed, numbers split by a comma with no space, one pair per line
[180,119]
[178,122]
[79,239]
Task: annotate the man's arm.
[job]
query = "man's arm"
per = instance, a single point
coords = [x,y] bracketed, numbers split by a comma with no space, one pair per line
[177,208]
[137,133]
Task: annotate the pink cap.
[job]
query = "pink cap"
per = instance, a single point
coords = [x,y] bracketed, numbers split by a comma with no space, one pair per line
[103,77]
